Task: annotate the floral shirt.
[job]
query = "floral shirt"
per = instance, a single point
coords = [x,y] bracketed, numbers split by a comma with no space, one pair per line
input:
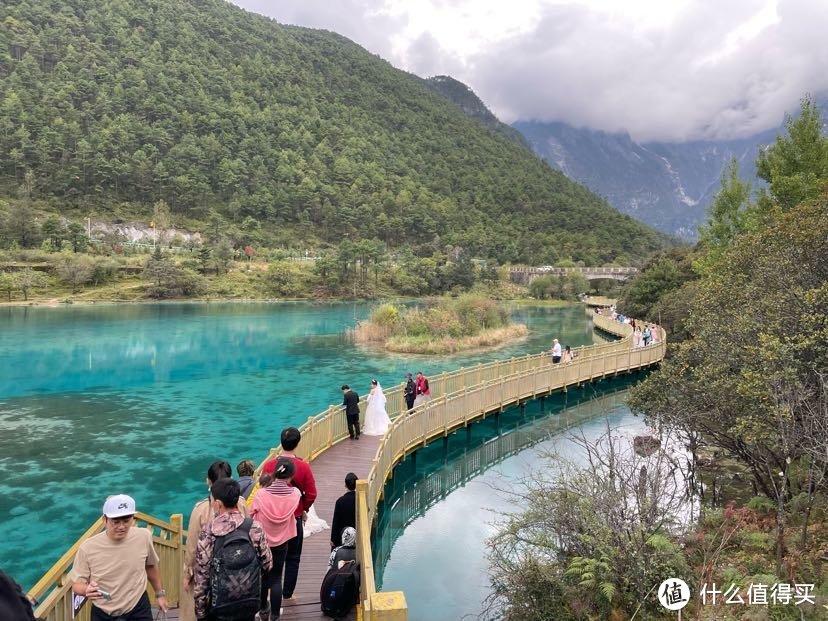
[222,525]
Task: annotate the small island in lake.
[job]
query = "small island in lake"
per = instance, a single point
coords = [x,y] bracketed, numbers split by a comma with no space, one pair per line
[444,326]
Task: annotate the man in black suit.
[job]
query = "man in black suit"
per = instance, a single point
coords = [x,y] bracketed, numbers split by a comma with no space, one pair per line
[351,403]
[344,511]
[410,391]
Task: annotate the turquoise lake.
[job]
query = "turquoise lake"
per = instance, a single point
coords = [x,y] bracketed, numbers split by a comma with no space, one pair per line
[440,509]
[140,399]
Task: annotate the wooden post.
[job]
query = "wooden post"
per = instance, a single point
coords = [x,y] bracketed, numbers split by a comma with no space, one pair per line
[173,590]
[389,606]
[331,426]
[310,442]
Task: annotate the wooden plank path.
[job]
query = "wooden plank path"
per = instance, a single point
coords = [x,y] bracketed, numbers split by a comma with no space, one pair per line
[458,397]
[329,470]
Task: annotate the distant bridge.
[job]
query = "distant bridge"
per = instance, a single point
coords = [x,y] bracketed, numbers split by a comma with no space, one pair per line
[525,275]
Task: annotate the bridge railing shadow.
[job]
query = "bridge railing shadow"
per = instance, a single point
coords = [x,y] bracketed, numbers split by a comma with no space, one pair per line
[408,497]
[459,397]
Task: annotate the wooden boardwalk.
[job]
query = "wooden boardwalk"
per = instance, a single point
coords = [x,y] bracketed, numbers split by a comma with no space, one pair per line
[458,397]
[329,470]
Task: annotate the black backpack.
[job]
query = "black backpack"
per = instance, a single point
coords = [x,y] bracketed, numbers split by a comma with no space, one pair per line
[340,590]
[235,575]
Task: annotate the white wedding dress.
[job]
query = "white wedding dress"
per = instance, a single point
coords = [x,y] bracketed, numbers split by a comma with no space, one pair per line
[376,418]
[314,524]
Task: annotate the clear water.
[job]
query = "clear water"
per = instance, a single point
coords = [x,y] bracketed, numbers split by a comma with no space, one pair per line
[440,509]
[97,400]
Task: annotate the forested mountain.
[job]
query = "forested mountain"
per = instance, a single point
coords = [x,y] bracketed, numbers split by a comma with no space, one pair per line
[465,98]
[112,106]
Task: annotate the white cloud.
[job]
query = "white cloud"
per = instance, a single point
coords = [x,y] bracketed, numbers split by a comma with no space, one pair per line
[671,70]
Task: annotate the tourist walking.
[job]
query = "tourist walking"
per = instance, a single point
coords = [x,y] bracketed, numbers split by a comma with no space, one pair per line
[568,355]
[422,389]
[230,588]
[275,507]
[636,339]
[347,550]
[304,481]
[654,334]
[646,335]
[410,392]
[246,469]
[111,569]
[344,514]
[202,513]
[376,416]
[555,351]
[351,403]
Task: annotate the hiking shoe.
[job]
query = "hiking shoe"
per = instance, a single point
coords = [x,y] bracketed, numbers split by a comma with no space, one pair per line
[264,615]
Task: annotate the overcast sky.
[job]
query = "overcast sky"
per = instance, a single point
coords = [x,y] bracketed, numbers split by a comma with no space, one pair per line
[659,69]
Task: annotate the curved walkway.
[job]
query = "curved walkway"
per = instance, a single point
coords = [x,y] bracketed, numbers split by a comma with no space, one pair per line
[459,398]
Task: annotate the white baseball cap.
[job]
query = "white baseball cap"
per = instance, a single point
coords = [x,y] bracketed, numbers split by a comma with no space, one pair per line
[119,505]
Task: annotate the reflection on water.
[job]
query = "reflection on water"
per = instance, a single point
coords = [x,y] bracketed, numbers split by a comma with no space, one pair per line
[440,508]
[140,399]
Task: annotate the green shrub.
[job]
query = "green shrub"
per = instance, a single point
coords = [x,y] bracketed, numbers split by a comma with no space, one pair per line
[288,279]
[385,316]
[104,270]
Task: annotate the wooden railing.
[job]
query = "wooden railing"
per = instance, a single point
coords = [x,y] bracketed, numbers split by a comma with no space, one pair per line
[458,397]
[54,589]
[422,494]
[321,432]
[519,380]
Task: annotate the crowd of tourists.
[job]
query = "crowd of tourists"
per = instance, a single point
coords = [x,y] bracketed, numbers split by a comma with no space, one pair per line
[644,334]
[244,539]
[243,552]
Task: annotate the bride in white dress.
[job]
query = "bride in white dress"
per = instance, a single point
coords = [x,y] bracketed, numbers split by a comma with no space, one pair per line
[314,523]
[376,418]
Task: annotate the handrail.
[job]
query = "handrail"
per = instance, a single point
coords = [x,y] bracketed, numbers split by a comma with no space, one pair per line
[321,432]
[55,587]
[475,461]
[457,398]
[451,410]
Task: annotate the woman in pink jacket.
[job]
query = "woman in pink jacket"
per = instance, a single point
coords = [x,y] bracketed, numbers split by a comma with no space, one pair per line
[273,507]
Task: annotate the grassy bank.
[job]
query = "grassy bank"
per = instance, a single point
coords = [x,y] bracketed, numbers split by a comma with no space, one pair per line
[449,345]
[445,325]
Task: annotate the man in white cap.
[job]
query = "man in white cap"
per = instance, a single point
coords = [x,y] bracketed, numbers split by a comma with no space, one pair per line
[111,569]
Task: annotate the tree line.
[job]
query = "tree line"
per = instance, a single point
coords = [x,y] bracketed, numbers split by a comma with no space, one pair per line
[285,132]
[737,492]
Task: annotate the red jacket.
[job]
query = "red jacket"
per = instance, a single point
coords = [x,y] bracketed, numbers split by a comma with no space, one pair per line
[302,478]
